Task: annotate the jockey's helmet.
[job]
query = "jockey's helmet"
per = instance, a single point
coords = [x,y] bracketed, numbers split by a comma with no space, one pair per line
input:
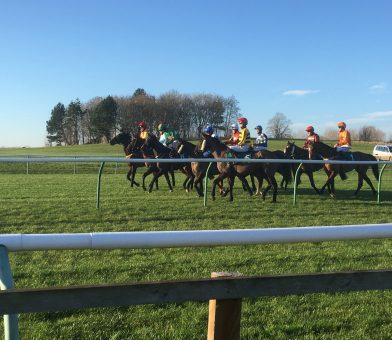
[259,127]
[208,130]
[234,126]
[242,120]
[342,124]
[309,128]
[142,125]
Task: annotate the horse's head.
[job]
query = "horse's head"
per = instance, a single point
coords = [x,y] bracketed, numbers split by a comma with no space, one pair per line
[289,150]
[212,143]
[122,138]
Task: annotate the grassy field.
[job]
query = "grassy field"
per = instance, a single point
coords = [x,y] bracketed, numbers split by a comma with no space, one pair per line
[54,200]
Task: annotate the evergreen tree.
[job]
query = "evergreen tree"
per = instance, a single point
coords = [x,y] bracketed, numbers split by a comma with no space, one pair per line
[55,125]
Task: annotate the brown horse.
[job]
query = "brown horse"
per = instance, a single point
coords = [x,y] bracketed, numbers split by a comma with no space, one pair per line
[199,169]
[328,152]
[293,151]
[131,151]
[162,152]
[230,170]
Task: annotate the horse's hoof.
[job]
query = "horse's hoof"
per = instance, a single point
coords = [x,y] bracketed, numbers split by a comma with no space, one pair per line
[213,198]
[136,184]
[186,190]
[170,190]
[332,195]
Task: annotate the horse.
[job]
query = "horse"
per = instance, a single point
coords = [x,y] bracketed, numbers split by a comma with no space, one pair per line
[199,169]
[328,152]
[241,170]
[293,151]
[125,140]
[132,149]
[161,151]
[284,169]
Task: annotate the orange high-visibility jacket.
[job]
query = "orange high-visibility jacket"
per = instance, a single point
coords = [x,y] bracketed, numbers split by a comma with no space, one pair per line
[344,138]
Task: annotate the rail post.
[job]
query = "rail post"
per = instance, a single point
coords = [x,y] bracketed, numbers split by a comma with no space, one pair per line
[206,184]
[379,183]
[224,316]
[27,165]
[6,282]
[99,183]
[296,184]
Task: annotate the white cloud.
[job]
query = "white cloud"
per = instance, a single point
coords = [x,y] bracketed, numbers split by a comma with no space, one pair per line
[378,88]
[379,115]
[299,93]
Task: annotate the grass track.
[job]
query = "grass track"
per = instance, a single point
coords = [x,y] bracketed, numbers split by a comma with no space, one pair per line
[45,203]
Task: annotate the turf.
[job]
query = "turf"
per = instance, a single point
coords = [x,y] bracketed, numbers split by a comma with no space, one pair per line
[56,200]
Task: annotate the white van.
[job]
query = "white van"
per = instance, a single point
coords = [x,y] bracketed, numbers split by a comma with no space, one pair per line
[383,152]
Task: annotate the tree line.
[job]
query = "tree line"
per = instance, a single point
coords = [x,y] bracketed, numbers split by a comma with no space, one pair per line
[99,119]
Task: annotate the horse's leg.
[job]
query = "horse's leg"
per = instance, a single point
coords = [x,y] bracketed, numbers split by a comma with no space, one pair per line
[252,178]
[245,184]
[166,174]
[274,189]
[360,183]
[331,181]
[133,182]
[149,170]
[231,179]
[173,178]
[215,182]
[198,185]
[311,180]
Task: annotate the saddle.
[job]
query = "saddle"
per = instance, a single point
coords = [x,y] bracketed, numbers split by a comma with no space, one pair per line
[243,155]
[346,156]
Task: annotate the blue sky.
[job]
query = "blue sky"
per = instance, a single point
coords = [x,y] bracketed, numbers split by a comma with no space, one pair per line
[318,62]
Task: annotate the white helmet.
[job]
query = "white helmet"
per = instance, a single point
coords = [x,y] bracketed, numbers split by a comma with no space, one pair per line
[234,126]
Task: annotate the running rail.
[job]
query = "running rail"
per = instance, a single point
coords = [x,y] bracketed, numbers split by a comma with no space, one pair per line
[201,160]
[196,238]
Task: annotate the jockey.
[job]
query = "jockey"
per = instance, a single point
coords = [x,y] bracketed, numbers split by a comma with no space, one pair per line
[261,141]
[312,136]
[344,139]
[209,131]
[168,136]
[244,139]
[235,136]
[143,130]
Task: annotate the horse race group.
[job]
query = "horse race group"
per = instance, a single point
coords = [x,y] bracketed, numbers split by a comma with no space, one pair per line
[144,144]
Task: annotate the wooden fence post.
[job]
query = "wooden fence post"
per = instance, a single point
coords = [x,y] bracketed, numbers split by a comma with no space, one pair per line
[224,316]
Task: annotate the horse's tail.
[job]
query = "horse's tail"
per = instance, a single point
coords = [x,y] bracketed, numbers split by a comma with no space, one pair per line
[376,172]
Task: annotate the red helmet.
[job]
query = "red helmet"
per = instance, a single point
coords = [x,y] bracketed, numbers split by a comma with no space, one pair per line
[309,128]
[142,125]
[242,120]
[342,124]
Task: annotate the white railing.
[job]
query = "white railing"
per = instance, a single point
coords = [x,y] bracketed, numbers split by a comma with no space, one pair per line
[193,238]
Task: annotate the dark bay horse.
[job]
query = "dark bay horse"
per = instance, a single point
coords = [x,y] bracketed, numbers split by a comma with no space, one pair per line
[293,151]
[230,170]
[125,139]
[284,169]
[328,152]
[199,169]
[162,152]
[131,145]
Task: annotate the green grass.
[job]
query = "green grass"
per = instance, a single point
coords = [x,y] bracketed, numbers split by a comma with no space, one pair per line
[64,202]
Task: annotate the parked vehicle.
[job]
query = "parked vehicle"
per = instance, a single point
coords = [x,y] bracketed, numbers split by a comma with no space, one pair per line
[383,152]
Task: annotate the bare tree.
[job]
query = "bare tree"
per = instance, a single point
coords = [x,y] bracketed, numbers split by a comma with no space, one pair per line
[330,134]
[369,133]
[279,126]
[231,113]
